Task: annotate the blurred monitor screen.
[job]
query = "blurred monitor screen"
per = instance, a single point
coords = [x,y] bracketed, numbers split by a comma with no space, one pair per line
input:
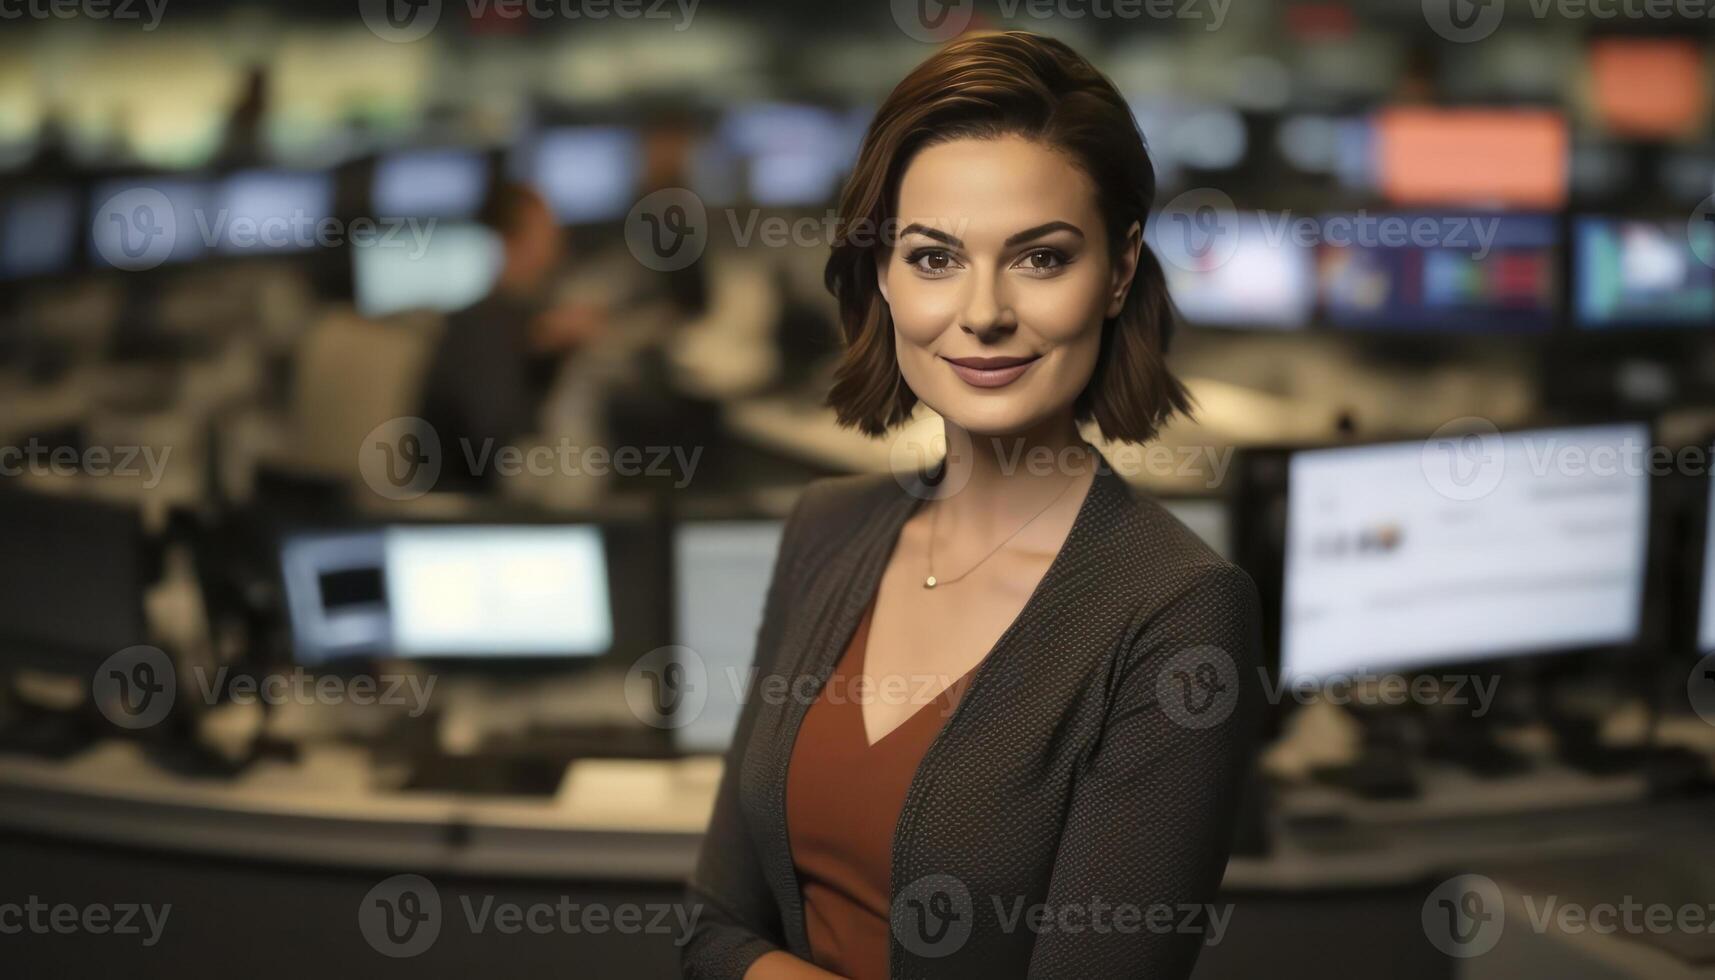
[1207,518]
[1484,157]
[1706,603]
[1463,549]
[1476,272]
[721,580]
[267,210]
[1651,88]
[38,232]
[1264,277]
[71,578]
[141,223]
[447,270]
[492,591]
[587,173]
[1643,273]
[795,155]
[439,183]
[336,598]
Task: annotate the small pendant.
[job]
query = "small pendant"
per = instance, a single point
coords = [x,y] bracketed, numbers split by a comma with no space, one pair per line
[929,583]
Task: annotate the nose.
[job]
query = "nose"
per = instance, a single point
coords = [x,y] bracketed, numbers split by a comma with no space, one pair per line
[988,313]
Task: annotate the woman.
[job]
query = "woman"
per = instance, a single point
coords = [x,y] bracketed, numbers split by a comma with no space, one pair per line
[1000,716]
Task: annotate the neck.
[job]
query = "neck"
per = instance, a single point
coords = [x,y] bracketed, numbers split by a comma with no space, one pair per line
[997,479]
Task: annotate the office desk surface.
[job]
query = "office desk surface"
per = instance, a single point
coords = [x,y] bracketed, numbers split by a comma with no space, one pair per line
[628,820]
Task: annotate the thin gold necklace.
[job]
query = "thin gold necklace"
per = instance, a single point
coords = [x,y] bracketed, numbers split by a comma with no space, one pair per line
[930,581]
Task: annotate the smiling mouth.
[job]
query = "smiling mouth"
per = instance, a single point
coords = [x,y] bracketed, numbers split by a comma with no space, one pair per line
[990,372]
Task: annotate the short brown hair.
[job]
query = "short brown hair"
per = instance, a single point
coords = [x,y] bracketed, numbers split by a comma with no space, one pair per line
[986,86]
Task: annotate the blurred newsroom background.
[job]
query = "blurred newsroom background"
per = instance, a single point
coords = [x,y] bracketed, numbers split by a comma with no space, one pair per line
[473,351]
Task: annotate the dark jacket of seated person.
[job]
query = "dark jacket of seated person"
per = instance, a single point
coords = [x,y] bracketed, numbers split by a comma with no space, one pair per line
[496,359]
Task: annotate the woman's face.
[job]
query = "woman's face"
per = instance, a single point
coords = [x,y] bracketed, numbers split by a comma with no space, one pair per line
[1000,281]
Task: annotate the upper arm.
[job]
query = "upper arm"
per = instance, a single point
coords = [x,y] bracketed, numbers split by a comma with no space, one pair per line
[1149,827]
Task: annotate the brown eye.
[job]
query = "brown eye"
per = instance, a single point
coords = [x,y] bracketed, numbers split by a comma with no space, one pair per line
[931,261]
[1043,260]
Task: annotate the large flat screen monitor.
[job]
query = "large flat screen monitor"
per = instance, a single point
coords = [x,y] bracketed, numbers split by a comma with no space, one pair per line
[1408,555]
[430,591]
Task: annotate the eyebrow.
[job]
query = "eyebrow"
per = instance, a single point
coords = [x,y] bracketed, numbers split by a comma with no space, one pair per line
[1029,234]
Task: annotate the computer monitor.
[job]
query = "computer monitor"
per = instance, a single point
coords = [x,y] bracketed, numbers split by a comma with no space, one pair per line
[587,173]
[38,232]
[497,591]
[141,222]
[445,183]
[73,572]
[434,591]
[795,155]
[1265,279]
[1408,555]
[1642,273]
[721,573]
[1490,273]
[272,210]
[450,268]
[336,597]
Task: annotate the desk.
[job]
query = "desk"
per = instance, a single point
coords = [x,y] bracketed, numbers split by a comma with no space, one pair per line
[320,833]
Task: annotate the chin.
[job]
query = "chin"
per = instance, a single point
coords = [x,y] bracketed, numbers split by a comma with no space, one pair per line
[1007,415]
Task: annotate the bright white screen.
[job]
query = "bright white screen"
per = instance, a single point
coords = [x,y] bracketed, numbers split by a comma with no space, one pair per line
[449,268]
[498,591]
[1411,554]
[723,570]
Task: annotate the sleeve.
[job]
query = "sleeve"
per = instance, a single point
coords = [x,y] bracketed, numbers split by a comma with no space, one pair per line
[1150,825]
[738,920]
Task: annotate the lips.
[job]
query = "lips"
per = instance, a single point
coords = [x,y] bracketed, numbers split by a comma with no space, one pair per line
[991,372]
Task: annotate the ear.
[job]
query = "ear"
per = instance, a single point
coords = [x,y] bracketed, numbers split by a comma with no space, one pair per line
[1125,267]
[883,260]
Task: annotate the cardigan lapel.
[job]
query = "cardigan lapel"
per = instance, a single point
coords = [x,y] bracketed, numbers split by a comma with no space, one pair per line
[839,591]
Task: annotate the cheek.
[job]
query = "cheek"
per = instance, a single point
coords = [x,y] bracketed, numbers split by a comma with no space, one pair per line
[923,310]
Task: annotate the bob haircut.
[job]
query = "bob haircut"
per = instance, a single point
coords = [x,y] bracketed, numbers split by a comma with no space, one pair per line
[986,86]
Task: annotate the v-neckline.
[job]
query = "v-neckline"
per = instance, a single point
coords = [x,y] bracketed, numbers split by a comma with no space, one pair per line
[968,678]
[862,664]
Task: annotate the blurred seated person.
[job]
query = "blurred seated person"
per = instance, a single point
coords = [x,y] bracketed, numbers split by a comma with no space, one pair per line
[498,358]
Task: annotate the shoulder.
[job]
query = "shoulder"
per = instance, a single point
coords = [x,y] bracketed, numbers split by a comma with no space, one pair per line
[1170,578]
[831,510]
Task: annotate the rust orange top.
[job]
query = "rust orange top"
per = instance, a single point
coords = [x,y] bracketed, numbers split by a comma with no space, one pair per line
[843,798]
